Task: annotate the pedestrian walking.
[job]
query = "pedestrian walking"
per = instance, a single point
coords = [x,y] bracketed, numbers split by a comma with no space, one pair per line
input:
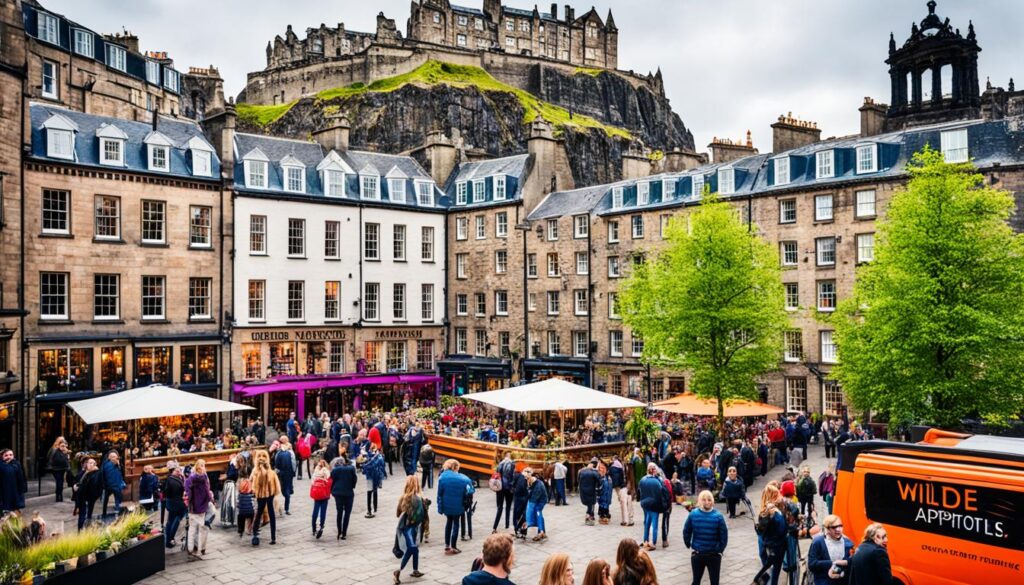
[343,489]
[632,565]
[638,467]
[199,497]
[652,501]
[829,436]
[587,483]
[604,495]
[113,482]
[828,558]
[285,466]
[558,473]
[13,485]
[58,461]
[617,473]
[599,572]
[411,512]
[374,470]
[89,487]
[805,491]
[827,486]
[505,472]
[412,445]
[535,506]
[320,492]
[771,531]
[557,570]
[304,448]
[427,466]
[520,499]
[265,486]
[452,489]
[733,490]
[149,488]
[706,534]
[246,507]
[705,476]
[666,508]
[497,560]
[870,564]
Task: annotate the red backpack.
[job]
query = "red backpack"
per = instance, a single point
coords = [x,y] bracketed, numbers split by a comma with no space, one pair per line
[303,448]
[320,489]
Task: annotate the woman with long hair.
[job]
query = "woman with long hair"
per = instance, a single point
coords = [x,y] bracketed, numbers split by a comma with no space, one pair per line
[265,486]
[557,570]
[410,517]
[599,572]
[632,566]
[58,461]
[199,496]
[772,532]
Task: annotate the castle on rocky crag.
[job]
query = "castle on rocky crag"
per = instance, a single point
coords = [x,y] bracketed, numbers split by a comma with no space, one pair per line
[502,39]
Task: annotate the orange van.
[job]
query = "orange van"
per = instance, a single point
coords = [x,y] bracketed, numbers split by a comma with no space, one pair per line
[953,505]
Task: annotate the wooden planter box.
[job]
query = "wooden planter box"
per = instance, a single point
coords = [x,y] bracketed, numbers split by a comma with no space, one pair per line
[128,566]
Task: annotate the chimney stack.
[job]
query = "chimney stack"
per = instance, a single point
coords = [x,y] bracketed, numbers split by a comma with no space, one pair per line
[334,134]
[554,10]
[441,155]
[872,117]
[789,133]
[220,129]
[678,160]
[724,150]
[636,162]
[541,145]
[570,13]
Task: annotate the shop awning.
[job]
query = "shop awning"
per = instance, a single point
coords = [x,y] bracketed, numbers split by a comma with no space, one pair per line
[154,401]
[327,382]
[689,403]
[552,394]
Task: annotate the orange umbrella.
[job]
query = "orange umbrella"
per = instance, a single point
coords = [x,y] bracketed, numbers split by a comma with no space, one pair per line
[689,403]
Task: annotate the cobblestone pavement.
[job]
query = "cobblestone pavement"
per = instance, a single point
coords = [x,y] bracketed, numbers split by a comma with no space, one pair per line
[365,557]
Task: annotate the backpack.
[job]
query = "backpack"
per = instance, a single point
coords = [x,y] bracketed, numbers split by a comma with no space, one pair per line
[303,448]
[762,524]
[320,489]
[495,482]
[508,474]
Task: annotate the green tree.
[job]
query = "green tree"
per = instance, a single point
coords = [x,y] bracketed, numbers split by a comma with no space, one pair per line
[710,303]
[934,330]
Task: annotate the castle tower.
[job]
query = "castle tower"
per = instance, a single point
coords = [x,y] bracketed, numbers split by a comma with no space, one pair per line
[934,75]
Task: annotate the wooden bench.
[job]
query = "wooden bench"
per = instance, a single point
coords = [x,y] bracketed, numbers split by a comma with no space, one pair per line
[216,463]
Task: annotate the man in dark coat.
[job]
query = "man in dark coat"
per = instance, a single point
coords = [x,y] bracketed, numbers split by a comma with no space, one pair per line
[870,564]
[670,464]
[588,482]
[343,489]
[413,442]
[749,459]
[13,485]
[113,482]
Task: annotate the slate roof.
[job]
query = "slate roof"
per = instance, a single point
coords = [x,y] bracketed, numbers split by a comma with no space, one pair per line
[515,168]
[312,154]
[87,150]
[467,10]
[575,202]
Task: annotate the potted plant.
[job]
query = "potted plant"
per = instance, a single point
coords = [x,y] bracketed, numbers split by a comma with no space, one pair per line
[640,430]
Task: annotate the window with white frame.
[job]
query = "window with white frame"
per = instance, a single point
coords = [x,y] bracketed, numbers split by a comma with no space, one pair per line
[295,179]
[462,20]
[332,240]
[637,345]
[332,300]
[201,163]
[613,306]
[460,40]
[152,72]
[371,241]
[581,226]
[427,244]
[865,247]
[461,340]
[637,221]
[171,78]
[825,251]
[480,301]
[108,217]
[335,182]
[796,395]
[461,228]
[501,302]
[478,191]
[296,238]
[499,188]
[580,305]
[643,193]
[552,230]
[510,42]
[613,231]
[396,190]
[781,170]
[826,295]
[828,347]
[794,345]
[553,302]
[427,303]
[613,267]
[398,301]
[154,218]
[256,174]
[954,145]
[47,28]
[501,224]
[582,263]
[867,158]
[726,181]
[865,203]
[461,304]
[154,295]
[398,243]
[481,342]
[668,189]
[60,144]
[84,43]
[554,343]
[615,343]
[823,207]
[369,187]
[510,25]
[531,302]
[500,261]
[553,268]
[371,301]
[825,164]
[158,157]
[789,252]
[296,300]
[199,305]
[663,220]
[697,185]
[257,300]
[460,193]
[531,266]
[792,296]
[579,343]
[481,227]
[461,260]
[617,198]
[835,402]
[56,210]
[106,297]
[425,193]
[116,57]
[53,295]
[437,18]
[504,344]
[111,151]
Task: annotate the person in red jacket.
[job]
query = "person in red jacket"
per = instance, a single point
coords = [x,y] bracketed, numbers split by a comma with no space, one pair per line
[374,437]
[302,453]
[320,492]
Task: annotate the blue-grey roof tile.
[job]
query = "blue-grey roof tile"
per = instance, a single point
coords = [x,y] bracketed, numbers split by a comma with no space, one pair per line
[514,168]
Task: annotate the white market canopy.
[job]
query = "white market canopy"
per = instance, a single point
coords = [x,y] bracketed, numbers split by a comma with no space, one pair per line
[552,394]
[152,401]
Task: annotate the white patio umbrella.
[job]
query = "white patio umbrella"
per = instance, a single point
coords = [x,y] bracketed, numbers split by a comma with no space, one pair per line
[553,394]
[152,401]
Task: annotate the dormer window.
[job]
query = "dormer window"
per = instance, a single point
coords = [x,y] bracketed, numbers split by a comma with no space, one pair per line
[781,170]
[954,145]
[152,72]
[171,79]
[84,43]
[698,186]
[643,193]
[201,163]
[461,194]
[60,137]
[867,158]
[617,198]
[825,164]
[396,188]
[726,181]
[112,141]
[293,174]
[425,193]
[333,170]
[117,57]
[478,191]
[158,158]
[499,188]
[334,183]
[46,28]
[668,189]
[256,164]
[369,187]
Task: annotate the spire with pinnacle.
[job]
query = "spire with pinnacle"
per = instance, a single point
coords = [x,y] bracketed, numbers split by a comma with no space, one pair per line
[610,21]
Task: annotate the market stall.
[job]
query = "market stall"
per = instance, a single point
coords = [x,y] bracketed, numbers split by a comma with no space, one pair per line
[689,403]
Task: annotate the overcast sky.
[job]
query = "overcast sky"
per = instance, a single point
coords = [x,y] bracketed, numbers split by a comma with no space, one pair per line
[728,65]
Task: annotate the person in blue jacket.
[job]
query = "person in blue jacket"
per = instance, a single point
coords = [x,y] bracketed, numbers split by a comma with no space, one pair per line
[604,495]
[652,498]
[772,532]
[733,490]
[535,506]
[375,470]
[705,476]
[113,482]
[343,489]
[452,488]
[149,488]
[520,497]
[829,556]
[285,466]
[706,533]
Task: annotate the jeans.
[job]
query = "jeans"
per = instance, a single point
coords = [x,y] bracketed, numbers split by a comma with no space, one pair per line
[665,519]
[560,491]
[451,530]
[197,531]
[828,502]
[427,480]
[519,515]
[710,561]
[268,505]
[85,513]
[650,527]
[117,501]
[371,501]
[535,515]
[590,511]
[466,523]
[319,509]
[625,504]
[241,523]
[792,559]
[58,480]
[412,551]
[775,558]
[343,505]
[287,488]
[504,499]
